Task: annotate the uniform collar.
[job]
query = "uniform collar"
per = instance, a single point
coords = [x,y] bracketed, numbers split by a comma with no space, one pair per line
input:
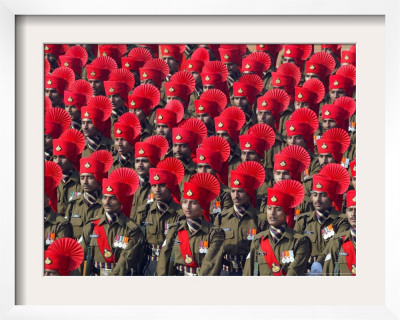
[288,233]
[251,212]
[120,219]
[204,226]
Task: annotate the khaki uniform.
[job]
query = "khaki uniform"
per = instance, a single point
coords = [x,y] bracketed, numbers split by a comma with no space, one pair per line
[66,191]
[334,253]
[57,225]
[124,259]
[130,163]
[209,263]
[140,198]
[285,115]
[307,224]
[147,131]
[190,169]
[249,123]
[237,238]
[225,201]
[269,157]
[291,240]
[78,213]
[105,144]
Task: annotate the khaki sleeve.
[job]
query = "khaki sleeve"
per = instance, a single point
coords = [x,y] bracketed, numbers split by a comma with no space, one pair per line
[212,262]
[301,255]
[248,269]
[129,255]
[165,253]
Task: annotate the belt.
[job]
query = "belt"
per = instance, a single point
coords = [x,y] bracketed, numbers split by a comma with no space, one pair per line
[103,265]
[188,271]
[153,251]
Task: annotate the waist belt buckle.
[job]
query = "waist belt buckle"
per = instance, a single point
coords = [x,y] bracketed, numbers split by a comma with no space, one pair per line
[105,272]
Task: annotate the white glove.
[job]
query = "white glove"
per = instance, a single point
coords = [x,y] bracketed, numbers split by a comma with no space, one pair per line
[316,269]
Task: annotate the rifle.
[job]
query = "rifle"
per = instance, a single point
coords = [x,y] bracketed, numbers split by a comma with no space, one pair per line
[88,263]
[336,271]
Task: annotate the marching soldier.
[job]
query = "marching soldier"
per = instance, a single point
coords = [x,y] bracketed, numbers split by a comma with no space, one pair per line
[136,58]
[232,55]
[113,240]
[342,83]
[280,250]
[56,83]
[52,52]
[55,225]
[115,51]
[273,51]
[75,58]
[156,217]
[193,246]
[297,54]
[320,66]
[63,256]
[88,204]
[56,121]
[98,71]
[214,76]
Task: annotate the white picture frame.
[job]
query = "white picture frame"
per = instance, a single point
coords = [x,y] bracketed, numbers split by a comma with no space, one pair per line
[286,294]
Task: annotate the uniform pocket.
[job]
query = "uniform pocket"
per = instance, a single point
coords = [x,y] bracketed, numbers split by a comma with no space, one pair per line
[76,220]
[311,235]
[229,234]
[151,229]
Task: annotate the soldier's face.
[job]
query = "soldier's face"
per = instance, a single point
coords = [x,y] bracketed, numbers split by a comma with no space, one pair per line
[250,155]
[55,97]
[232,67]
[117,101]
[64,163]
[325,158]
[73,112]
[275,216]
[242,103]
[296,141]
[148,81]
[197,78]
[309,76]
[351,215]
[88,128]
[122,146]
[239,196]
[139,113]
[320,201]
[164,130]
[227,137]
[299,105]
[181,151]
[172,64]
[206,119]
[353,182]
[191,209]
[204,167]
[280,175]
[48,142]
[170,98]
[208,87]
[50,58]
[161,192]
[336,93]
[328,124]
[51,273]
[89,182]
[265,116]
[142,166]
[111,203]
[97,85]
[288,60]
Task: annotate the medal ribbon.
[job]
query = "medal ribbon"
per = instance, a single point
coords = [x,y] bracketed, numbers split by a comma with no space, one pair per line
[183,237]
[102,241]
[270,258]
[351,254]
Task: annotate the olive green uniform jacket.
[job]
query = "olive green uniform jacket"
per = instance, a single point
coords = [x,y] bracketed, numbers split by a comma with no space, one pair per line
[124,258]
[190,170]
[79,213]
[225,201]
[66,191]
[140,198]
[57,224]
[147,131]
[105,144]
[130,163]
[209,262]
[291,240]
[334,253]
[307,224]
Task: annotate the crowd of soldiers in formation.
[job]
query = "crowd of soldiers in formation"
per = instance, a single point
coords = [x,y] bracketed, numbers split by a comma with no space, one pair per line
[200,159]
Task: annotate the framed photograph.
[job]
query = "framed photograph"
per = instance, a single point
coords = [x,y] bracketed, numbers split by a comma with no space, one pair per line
[27,25]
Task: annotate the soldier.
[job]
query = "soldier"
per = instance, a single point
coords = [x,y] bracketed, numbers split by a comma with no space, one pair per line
[245,92]
[52,52]
[309,95]
[214,76]
[320,66]
[63,256]
[88,204]
[75,58]
[126,133]
[273,51]
[147,155]
[115,51]
[154,72]
[67,151]
[349,56]
[342,83]
[114,239]
[208,106]
[193,246]
[56,121]
[256,63]
[153,48]
[340,253]
[325,221]
[143,100]
[241,221]
[186,138]
[136,58]
[280,250]
[212,157]
[75,97]
[96,125]
[98,71]
[297,54]
[55,225]
[117,88]
[157,216]
[172,54]
[231,55]
[56,83]
[333,50]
